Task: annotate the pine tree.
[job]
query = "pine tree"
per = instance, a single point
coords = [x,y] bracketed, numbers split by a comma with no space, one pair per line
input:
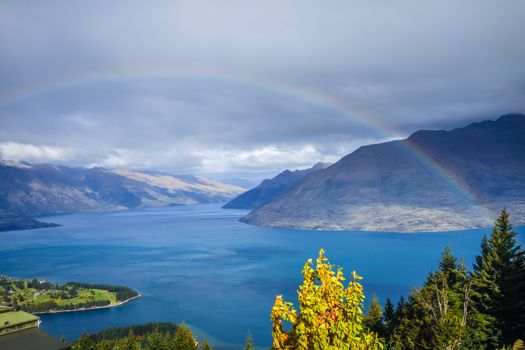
[448,261]
[206,345]
[106,344]
[500,281]
[404,326]
[155,341]
[400,312]
[389,318]
[249,342]
[389,311]
[129,342]
[374,318]
[84,342]
[184,339]
[440,315]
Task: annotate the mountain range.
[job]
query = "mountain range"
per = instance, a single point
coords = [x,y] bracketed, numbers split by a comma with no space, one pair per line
[432,181]
[271,188]
[29,190]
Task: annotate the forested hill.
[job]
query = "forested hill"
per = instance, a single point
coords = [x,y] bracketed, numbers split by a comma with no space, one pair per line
[432,181]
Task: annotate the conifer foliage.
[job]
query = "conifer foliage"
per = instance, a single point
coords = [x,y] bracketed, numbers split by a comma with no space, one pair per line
[500,282]
[456,309]
[148,337]
[374,318]
[440,315]
[249,342]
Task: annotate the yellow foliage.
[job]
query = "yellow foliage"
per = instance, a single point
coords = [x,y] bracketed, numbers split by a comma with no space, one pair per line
[518,345]
[330,316]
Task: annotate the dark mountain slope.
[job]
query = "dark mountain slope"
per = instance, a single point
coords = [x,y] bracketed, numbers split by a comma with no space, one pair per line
[432,181]
[270,188]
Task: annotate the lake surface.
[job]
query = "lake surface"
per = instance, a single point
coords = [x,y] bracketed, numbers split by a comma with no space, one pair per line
[200,265]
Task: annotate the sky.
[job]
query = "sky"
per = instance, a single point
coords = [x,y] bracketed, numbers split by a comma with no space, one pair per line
[247,88]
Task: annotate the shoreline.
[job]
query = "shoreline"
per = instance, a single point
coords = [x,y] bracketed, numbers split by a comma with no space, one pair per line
[120,303]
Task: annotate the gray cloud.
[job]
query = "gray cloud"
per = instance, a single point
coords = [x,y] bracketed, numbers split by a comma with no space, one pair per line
[237,86]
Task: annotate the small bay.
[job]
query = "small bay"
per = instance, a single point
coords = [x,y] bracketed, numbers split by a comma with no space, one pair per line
[200,265]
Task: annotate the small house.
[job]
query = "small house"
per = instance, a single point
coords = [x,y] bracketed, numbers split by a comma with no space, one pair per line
[13,321]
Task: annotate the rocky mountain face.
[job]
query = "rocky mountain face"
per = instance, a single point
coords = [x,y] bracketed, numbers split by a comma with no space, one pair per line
[271,188]
[431,181]
[32,190]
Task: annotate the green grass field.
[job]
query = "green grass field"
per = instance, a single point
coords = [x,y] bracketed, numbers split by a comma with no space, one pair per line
[43,296]
[84,295]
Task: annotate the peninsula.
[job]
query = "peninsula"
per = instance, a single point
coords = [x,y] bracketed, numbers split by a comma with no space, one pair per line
[10,222]
[40,296]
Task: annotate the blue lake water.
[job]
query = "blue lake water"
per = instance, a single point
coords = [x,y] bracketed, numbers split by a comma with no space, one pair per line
[198,264]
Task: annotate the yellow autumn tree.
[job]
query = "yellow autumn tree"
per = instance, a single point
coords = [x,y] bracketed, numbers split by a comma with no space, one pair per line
[330,316]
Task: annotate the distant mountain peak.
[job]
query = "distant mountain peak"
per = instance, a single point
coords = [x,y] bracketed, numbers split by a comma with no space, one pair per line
[321,165]
[512,117]
[268,189]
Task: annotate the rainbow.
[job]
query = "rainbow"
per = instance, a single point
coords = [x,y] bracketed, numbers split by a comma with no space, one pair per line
[26,93]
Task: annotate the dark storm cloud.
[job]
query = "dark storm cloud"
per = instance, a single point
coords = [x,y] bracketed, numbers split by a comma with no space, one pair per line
[191,85]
